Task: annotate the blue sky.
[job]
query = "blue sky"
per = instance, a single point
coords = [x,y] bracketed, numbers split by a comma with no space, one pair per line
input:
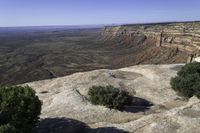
[81,12]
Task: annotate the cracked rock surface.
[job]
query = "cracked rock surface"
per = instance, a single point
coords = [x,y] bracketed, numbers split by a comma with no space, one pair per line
[66,97]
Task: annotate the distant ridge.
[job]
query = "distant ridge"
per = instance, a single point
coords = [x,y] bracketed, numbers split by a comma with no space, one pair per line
[51,27]
[92,25]
[160,23]
[153,23]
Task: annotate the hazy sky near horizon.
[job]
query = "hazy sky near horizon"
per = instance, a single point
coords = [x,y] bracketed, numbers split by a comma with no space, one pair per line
[82,12]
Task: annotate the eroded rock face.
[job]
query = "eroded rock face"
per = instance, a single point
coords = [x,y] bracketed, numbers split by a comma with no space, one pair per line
[184,36]
[66,97]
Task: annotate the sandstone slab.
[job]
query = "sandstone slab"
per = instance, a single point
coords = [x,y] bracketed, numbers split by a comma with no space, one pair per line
[66,97]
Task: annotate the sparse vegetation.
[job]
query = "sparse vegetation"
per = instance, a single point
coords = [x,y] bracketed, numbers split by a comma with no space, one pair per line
[187,82]
[109,96]
[47,53]
[19,109]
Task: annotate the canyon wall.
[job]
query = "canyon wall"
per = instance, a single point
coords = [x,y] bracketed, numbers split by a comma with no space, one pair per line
[182,36]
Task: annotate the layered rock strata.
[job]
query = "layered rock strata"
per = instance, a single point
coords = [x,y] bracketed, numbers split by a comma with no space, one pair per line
[183,36]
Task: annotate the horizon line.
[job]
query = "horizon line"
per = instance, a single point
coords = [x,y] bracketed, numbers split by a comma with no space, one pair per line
[111,24]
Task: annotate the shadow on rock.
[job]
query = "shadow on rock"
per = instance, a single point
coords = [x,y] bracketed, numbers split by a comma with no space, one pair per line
[60,125]
[177,67]
[106,130]
[138,105]
[64,125]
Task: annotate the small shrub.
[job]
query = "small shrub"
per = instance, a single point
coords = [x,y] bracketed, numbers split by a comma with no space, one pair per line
[19,108]
[109,96]
[187,81]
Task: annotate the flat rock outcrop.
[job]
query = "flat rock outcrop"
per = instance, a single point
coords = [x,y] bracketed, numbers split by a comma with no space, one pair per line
[160,111]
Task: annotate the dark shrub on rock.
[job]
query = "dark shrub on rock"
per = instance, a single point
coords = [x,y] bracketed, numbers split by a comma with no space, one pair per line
[19,108]
[187,81]
[109,96]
